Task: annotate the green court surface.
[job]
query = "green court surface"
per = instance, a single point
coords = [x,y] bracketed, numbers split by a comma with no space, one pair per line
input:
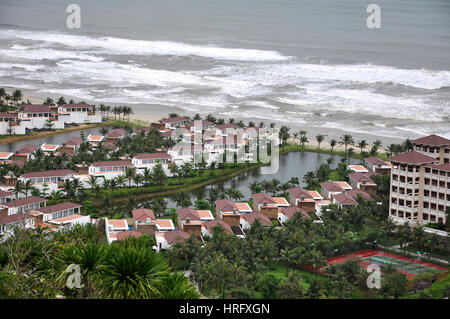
[400,264]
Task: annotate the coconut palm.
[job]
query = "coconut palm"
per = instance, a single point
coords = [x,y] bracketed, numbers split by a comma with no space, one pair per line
[346,140]
[362,145]
[303,141]
[17,96]
[90,259]
[319,139]
[177,286]
[129,174]
[333,143]
[132,273]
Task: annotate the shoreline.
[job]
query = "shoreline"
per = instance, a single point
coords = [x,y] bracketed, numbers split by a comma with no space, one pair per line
[152,112]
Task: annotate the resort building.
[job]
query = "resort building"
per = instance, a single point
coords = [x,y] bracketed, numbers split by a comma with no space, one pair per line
[191,220]
[109,169]
[164,240]
[78,113]
[420,184]
[377,165]
[303,199]
[25,153]
[247,220]
[113,227]
[434,146]
[357,168]
[6,196]
[208,227]
[141,161]
[71,145]
[285,213]
[329,189]
[62,214]
[363,182]
[115,135]
[52,180]
[170,123]
[349,198]
[5,157]
[49,148]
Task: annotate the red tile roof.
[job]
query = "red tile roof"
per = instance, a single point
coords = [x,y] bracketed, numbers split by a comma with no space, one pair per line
[174,119]
[225,126]
[37,108]
[443,167]
[209,225]
[27,149]
[412,157]
[225,205]
[432,140]
[74,141]
[361,177]
[174,236]
[260,198]
[289,212]
[128,233]
[51,173]
[24,201]
[375,161]
[77,105]
[8,115]
[12,218]
[152,156]
[5,194]
[331,187]
[58,207]
[141,214]
[112,163]
[188,212]
[298,192]
[118,132]
[251,217]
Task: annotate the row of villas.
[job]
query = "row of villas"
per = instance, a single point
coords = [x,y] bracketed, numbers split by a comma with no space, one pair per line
[420,182]
[233,217]
[30,212]
[36,116]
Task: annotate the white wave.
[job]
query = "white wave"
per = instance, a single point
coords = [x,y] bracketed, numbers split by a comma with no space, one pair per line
[142,47]
[27,67]
[19,47]
[298,74]
[48,54]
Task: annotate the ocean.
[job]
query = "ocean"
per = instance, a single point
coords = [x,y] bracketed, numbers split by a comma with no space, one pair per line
[294,62]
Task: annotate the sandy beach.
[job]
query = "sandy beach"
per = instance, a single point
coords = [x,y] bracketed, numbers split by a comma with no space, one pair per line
[147,113]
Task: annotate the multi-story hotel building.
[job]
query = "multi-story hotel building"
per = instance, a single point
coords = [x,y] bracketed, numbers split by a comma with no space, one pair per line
[420,182]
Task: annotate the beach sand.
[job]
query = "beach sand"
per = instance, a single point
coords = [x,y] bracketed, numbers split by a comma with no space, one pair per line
[147,113]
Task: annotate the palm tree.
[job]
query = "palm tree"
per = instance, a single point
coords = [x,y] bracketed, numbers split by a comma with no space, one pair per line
[89,258]
[346,140]
[303,141]
[177,286]
[18,188]
[362,145]
[104,131]
[333,143]
[129,174]
[319,139]
[27,186]
[147,175]
[132,273]
[137,179]
[17,96]
[120,180]
[61,101]
[92,181]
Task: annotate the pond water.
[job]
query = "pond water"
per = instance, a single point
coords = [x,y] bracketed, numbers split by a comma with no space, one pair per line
[293,164]
[53,139]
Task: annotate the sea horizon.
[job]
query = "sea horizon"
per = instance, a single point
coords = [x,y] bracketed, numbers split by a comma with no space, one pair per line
[276,62]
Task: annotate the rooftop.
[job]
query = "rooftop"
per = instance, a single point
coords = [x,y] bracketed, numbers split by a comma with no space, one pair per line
[58,207]
[432,140]
[412,157]
[51,173]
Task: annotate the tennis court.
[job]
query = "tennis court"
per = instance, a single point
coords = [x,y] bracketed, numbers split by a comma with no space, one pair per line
[409,266]
[404,266]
